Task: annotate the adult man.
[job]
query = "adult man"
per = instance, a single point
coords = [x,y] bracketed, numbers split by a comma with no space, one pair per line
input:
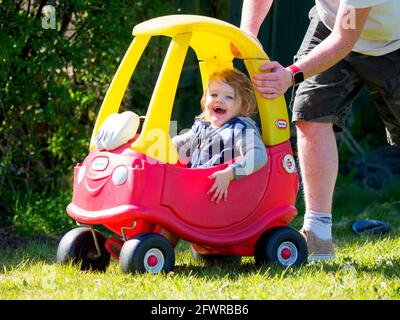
[349,43]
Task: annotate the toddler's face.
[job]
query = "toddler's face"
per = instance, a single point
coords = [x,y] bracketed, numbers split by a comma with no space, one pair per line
[221,103]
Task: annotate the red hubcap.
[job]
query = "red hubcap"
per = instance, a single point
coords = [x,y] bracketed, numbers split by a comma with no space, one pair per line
[286,253]
[152,261]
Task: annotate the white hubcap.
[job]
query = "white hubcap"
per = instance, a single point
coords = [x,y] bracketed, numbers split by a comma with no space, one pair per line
[153,260]
[287,253]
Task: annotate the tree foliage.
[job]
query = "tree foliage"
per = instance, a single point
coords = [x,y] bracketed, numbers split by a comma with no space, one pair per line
[52,82]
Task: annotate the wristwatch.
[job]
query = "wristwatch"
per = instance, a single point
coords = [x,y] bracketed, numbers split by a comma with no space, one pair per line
[297,74]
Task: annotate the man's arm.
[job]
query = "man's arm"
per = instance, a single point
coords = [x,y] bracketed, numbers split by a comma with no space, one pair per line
[329,52]
[338,44]
[253,15]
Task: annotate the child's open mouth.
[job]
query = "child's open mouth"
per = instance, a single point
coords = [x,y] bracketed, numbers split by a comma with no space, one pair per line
[219,110]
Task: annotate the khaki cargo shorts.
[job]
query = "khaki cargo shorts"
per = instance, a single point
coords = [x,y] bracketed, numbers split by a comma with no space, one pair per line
[328,96]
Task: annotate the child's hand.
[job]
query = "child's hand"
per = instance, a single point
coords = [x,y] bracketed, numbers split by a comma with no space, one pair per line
[220,186]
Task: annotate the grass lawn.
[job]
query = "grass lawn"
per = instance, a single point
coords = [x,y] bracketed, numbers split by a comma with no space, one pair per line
[367,267]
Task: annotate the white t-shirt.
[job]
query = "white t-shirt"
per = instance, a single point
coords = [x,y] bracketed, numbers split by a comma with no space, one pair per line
[381,33]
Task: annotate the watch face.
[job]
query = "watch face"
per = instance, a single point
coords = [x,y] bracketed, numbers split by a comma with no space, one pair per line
[298,77]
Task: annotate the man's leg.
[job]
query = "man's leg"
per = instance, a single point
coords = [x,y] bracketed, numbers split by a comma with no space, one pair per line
[320,105]
[318,159]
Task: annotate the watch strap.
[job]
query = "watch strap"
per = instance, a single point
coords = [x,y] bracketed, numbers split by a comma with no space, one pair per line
[294,68]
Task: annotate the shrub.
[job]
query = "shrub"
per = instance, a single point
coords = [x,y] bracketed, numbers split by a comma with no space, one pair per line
[52,83]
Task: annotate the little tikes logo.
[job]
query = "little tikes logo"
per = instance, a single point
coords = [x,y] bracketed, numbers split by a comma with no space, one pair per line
[281,124]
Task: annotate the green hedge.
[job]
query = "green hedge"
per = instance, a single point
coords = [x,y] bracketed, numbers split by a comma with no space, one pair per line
[53,81]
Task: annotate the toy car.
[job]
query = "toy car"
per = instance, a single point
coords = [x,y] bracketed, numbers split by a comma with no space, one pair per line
[141,186]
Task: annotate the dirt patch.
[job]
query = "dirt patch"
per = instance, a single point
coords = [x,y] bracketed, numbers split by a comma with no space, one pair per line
[10,240]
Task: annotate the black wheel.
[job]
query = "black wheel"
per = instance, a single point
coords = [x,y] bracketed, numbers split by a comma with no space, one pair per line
[79,247]
[214,259]
[147,252]
[283,245]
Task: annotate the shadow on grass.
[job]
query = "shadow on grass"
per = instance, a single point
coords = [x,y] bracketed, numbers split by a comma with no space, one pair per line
[33,252]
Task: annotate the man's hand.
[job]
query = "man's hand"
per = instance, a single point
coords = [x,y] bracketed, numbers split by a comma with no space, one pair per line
[220,186]
[273,84]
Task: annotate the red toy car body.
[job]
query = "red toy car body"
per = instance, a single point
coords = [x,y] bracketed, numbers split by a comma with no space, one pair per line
[134,195]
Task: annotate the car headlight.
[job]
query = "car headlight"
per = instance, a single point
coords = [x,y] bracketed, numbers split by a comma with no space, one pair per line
[99,164]
[120,175]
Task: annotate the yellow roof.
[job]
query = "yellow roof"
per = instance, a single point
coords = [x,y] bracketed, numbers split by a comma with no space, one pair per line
[211,38]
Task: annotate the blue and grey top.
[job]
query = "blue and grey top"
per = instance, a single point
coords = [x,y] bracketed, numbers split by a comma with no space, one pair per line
[238,138]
